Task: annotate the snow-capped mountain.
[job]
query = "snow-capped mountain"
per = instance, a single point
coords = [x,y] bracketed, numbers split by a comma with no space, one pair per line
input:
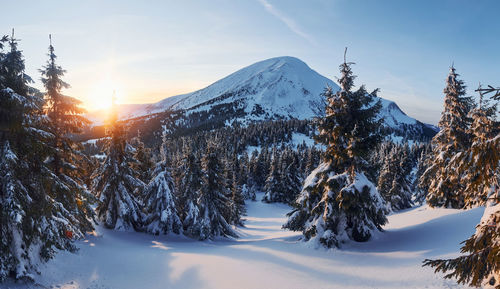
[282,87]
[276,88]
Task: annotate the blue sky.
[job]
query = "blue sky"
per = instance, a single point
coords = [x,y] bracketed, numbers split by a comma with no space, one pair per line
[149,50]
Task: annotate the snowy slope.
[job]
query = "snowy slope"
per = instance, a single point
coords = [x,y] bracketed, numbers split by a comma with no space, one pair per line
[281,87]
[266,256]
[393,115]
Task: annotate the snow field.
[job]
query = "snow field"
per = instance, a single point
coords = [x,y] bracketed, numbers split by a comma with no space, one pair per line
[265,256]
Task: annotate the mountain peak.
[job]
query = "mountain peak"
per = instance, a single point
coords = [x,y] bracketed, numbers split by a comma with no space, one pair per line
[280,62]
[283,86]
[277,88]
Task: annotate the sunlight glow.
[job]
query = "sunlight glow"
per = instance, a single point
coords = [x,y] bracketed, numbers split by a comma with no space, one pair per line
[101,93]
[101,87]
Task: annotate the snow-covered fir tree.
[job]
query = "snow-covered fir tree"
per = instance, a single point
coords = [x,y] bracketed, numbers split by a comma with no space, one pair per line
[423,161]
[115,183]
[444,185]
[144,164]
[313,160]
[284,181]
[480,266]
[291,175]
[162,217]
[477,167]
[187,176]
[33,224]
[259,167]
[243,180]
[64,118]
[480,166]
[393,182]
[14,200]
[213,203]
[238,208]
[274,184]
[338,203]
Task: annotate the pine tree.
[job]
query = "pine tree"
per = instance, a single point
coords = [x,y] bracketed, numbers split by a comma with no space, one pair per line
[237,199]
[13,75]
[253,168]
[212,201]
[393,184]
[144,165]
[14,200]
[115,184]
[477,166]
[189,176]
[422,187]
[481,267]
[244,180]
[284,182]
[338,203]
[64,118]
[260,169]
[291,176]
[312,161]
[33,224]
[445,187]
[480,167]
[160,202]
[386,177]
[273,185]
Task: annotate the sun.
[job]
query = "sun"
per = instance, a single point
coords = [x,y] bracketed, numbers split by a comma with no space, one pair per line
[101,93]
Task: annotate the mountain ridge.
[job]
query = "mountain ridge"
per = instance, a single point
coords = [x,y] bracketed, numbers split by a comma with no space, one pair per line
[282,87]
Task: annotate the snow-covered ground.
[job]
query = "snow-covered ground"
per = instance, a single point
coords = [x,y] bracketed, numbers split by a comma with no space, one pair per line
[265,256]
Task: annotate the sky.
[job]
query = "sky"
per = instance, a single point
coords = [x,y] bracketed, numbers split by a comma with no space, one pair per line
[150,50]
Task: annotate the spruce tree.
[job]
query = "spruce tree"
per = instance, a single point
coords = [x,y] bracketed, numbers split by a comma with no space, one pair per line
[33,224]
[422,187]
[237,199]
[477,167]
[212,200]
[338,203]
[244,179]
[284,181]
[143,165]
[387,174]
[253,168]
[480,166]
[13,75]
[115,184]
[189,176]
[162,217]
[480,266]
[291,176]
[273,185]
[64,118]
[444,185]
[393,183]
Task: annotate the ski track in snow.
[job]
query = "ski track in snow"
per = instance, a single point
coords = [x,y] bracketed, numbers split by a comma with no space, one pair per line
[265,256]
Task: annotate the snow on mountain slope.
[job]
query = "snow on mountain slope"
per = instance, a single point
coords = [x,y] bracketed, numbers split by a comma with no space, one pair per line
[281,87]
[393,115]
[265,256]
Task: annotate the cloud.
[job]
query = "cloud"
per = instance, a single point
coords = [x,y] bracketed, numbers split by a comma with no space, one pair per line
[290,23]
